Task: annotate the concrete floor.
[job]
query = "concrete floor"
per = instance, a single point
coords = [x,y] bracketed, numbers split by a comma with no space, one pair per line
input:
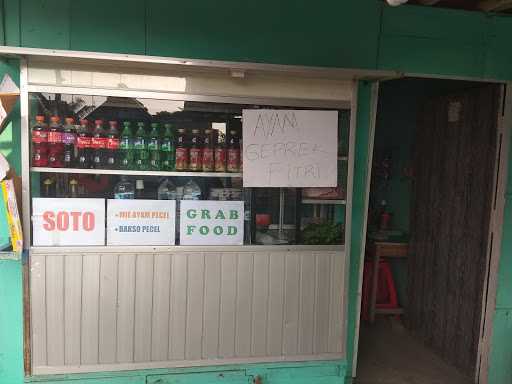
[388,354]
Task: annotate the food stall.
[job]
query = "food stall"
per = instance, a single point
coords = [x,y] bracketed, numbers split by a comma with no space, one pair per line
[182,214]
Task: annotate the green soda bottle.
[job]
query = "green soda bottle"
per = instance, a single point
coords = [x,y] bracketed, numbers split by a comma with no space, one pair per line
[154,148]
[140,145]
[168,149]
[126,147]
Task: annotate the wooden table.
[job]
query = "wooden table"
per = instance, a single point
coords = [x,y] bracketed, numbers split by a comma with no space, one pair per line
[378,249]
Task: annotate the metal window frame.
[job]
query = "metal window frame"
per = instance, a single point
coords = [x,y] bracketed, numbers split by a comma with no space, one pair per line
[26,88]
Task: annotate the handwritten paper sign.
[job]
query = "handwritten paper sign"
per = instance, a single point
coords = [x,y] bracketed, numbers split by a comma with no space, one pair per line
[290,148]
[141,222]
[59,222]
[209,222]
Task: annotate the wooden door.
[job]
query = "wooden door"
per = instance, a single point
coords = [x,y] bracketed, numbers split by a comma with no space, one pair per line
[454,182]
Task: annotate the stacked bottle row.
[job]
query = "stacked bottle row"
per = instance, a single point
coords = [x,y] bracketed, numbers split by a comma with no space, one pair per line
[80,146]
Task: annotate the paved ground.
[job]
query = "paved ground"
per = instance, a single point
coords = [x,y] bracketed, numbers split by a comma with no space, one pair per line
[389,355]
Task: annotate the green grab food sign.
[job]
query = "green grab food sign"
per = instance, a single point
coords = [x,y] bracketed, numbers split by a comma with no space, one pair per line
[209,222]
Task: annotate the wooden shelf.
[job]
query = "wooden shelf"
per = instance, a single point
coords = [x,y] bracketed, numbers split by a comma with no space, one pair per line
[133,173]
[324,201]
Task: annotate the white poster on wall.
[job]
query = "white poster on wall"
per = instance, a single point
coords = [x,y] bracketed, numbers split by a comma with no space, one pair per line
[290,148]
[209,222]
[141,222]
[58,222]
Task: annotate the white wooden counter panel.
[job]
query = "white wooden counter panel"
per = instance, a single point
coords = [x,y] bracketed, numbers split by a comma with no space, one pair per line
[104,309]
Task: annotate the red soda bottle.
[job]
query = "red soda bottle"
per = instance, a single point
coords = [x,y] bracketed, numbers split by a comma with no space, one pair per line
[55,144]
[83,145]
[112,146]
[208,152]
[40,143]
[68,140]
[196,152]
[99,145]
[233,153]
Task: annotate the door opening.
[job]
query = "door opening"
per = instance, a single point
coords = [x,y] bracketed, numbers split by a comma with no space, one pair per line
[432,195]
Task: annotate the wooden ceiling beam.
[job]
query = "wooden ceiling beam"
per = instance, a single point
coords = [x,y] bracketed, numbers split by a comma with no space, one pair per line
[494,5]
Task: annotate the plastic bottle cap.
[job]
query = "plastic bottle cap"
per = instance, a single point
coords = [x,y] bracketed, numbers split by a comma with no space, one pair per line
[112,122]
[98,122]
[84,121]
[40,118]
[69,120]
[195,131]
[55,119]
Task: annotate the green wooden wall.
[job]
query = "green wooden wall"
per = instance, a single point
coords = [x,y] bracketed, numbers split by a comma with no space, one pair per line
[332,33]
[350,33]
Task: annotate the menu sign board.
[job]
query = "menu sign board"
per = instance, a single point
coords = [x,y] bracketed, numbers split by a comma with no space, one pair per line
[208,222]
[290,148]
[141,222]
[58,222]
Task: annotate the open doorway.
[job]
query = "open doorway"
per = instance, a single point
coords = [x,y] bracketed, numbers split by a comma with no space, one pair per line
[433,186]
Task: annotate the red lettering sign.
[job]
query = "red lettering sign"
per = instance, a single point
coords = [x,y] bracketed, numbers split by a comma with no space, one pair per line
[64,221]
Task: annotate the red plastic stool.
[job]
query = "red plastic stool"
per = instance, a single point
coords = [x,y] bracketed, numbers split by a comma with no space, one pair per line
[386,290]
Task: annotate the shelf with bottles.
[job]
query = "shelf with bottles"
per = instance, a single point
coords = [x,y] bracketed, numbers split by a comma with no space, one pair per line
[80,148]
[82,185]
[324,201]
[134,173]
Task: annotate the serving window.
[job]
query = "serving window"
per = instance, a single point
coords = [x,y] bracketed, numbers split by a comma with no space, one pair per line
[183,161]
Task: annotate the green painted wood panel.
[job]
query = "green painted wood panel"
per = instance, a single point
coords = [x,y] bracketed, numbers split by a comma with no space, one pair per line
[357,237]
[431,56]
[45,23]
[285,32]
[500,368]
[12,22]
[435,23]
[11,322]
[134,379]
[433,41]
[108,26]
[498,63]
[233,377]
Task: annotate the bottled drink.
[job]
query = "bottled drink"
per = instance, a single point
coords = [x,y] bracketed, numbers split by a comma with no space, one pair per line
[140,145]
[220,155]
[112,146]
[40,143]
[196,152]
[233,152]
[208,160]
[69,139]
[99,145]
[139,189]
[83,145]
[124,189]
[49,187]
[154,148]
[191,191]
[166,190]
[126,150]
[55,145]
[73,187]
[168,150]
[182,153]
